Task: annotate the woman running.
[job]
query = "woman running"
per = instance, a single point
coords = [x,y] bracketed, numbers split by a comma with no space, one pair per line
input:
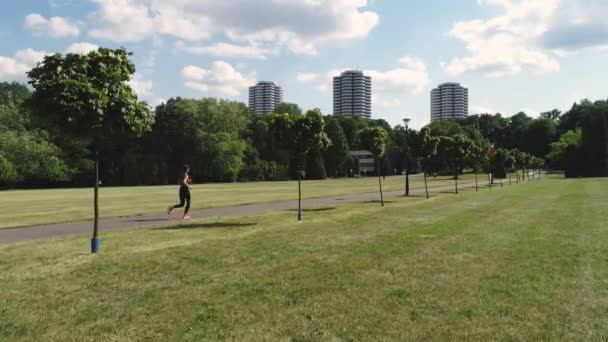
[184,193]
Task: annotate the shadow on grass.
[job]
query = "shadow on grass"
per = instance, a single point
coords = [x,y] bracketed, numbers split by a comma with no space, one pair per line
[312,210]
[209,225]
[149,220]
[378,201]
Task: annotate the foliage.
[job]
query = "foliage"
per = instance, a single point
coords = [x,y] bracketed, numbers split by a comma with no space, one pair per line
[557,155]
[88,95]
[300,134]
[374,140]
[28,159]
[336,155]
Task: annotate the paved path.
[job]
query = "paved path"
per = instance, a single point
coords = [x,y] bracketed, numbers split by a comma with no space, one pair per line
[12,235]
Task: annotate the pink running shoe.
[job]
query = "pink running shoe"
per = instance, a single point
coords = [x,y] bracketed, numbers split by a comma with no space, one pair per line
[186,217]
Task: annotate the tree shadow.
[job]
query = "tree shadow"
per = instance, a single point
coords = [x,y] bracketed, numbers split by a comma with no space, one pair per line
[378,201]
[311,210]
[150,220]
[210,225]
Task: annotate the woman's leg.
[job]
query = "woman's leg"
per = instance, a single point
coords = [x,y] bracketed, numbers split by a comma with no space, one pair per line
[182,200]
[187,198]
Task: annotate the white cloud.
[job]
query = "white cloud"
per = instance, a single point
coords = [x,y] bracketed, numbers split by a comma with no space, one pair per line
[382,102]
[220,79]
[411,76]
[228,50]
[81,48]
[55,27]
[529,35]
[141,86]
[123,21]
[306,76]
[14,68]
[302,26]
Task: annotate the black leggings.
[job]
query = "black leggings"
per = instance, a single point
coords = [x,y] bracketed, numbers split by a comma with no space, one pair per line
[184,198]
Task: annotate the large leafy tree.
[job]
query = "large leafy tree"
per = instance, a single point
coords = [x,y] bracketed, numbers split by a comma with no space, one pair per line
[337,155]
[477,158]
[300,134]
[89,97]
[456,152]
[557,155]
[374,140]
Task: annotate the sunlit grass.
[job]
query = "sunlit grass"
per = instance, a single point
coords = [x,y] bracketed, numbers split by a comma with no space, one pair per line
[526,262]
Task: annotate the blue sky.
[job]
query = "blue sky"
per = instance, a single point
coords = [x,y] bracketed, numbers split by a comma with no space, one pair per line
[513,55]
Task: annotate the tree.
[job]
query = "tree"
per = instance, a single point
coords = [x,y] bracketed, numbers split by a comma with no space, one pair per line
[477,158]
[35,161]
[426,151]
[510,163]
[456,152]
[535,136]
[300,134]
[522,160]
[8,175]
[337,154]
[374,140]
[553,115]
[557,155]
[288,108]
[88,96]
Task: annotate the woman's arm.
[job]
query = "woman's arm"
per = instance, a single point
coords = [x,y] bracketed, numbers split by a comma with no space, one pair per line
[186,181]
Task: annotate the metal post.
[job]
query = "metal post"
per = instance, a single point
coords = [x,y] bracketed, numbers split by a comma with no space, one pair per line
[407,158]
[95,238]
[299,198]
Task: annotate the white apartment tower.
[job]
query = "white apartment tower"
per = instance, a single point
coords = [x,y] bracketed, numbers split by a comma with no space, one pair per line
[353,94]
[264,97]
[449,101]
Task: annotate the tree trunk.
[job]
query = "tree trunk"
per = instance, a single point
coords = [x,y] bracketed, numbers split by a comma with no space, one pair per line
[95,239]
[380,183]
[509,175]
[426,187]
[456,183]
[407,182]
[476,185]
[490,181]
[501,182]
[299,197]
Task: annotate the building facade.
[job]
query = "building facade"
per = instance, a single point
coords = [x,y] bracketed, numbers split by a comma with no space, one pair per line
[367,163]
[449,101]
[353,94]
[264,97]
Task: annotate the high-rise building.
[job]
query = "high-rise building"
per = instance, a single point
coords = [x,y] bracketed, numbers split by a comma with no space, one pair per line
[449,101]
[264,97]
[353,94]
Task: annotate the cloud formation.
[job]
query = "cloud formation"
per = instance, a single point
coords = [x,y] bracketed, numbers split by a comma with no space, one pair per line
[227,50]
[529,35]
[54,27]
[301,26]
[221,79]
[14,68]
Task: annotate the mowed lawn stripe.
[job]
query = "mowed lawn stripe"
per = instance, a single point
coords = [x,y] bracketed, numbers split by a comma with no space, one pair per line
[512,263]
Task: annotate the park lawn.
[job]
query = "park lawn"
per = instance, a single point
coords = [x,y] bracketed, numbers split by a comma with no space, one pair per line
[526,262]
[35,207]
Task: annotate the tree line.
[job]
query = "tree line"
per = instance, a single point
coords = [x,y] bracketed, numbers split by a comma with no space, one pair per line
[224,141]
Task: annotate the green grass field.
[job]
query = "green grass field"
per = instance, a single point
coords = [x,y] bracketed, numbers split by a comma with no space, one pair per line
[527,262]
[32,207]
